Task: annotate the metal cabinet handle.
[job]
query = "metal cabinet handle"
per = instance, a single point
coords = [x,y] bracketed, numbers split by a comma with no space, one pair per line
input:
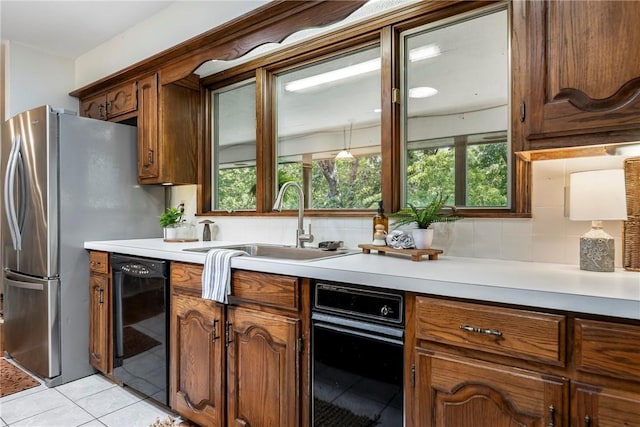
[227,334]
[552,416]
[100,296]
[494,332]
[149,157]
[215,335]
[587,421]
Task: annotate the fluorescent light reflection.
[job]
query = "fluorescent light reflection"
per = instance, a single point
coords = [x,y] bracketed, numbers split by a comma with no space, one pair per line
[332,76]
[424,52]
[422,92]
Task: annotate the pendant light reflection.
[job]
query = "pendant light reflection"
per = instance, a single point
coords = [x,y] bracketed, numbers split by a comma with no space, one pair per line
[346,152]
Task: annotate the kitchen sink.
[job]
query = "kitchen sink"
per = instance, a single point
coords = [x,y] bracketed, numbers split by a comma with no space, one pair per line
[279,252]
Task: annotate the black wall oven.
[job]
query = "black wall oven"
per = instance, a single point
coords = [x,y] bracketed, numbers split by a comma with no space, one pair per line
[357,352]
[141,324]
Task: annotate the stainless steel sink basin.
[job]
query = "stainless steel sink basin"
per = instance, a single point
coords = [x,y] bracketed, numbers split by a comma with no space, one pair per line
[279,252]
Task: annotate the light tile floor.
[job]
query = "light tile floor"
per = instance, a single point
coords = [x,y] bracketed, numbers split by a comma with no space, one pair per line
[93,401]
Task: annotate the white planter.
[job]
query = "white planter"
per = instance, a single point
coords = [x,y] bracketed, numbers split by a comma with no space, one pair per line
[422,237]
[182,232]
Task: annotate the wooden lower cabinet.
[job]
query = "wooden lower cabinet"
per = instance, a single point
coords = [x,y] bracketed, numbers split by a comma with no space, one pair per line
[473,364]
[239,364]
[453,391]
[100,327]
[596,406]
[262,374]
[99,322]
[197,359]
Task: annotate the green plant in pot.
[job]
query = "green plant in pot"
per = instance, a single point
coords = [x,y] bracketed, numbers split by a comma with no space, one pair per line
[175,227]
[423,217]
[171,217]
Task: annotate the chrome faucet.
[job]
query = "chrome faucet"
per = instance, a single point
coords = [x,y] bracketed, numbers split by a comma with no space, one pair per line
[301,236]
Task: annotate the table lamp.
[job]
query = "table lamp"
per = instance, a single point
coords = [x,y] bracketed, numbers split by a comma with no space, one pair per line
[597,196]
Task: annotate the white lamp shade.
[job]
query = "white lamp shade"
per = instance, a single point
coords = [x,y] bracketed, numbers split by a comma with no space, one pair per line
[597,195]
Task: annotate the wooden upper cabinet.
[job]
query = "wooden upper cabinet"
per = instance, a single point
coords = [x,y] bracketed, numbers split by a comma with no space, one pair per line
[168,120]
[114,105]
[148,128]
[121,100]
[576,72]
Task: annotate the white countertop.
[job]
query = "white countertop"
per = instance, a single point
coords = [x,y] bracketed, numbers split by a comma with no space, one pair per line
[545,285]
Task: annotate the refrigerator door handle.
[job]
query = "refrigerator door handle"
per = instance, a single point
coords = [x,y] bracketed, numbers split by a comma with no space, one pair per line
[27,285]
[9,196]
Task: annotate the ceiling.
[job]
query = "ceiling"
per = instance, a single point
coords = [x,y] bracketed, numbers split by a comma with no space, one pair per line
[71,28]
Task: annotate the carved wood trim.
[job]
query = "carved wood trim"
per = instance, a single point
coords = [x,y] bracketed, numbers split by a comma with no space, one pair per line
[627,94]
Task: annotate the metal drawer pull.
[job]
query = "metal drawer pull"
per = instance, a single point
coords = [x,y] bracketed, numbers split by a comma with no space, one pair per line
[552,416]
[493,332]
[587,421]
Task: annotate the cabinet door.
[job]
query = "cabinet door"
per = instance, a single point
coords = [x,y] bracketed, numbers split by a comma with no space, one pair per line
[262,367]
[121,100]
[452,391]
[594,406]
[99,324]
[197,364]
[582,71]
[148,153]
[94,107]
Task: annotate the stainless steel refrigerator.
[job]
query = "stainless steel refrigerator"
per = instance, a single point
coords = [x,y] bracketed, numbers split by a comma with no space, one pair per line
[66,180]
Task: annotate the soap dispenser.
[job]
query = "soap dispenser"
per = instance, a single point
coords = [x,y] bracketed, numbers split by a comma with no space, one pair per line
[206,232]
[380,218]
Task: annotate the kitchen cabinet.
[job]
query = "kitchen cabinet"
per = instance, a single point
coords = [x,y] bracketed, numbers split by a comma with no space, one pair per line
[475,364]
[262,369]
[167,117]
[247,357]
[607,360]
[197,349]
[100,326]
[458,391]
[115,104]
[168,123]
[454,388]
[576,72]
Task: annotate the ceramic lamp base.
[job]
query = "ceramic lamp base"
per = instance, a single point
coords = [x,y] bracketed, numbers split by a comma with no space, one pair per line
[597,251]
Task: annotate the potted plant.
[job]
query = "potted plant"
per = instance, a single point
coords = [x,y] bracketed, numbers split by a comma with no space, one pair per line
[174,226]
[435,211]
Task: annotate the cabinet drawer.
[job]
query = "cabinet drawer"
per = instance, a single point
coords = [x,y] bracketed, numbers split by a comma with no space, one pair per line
[264,289]
[187,277]
[517,333]
[99,262]
[608,348]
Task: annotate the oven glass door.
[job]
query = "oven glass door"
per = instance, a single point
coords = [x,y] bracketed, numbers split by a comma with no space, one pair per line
[357,377]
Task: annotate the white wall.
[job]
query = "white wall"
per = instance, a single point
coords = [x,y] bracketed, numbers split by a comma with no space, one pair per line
[180,21]
[34,78]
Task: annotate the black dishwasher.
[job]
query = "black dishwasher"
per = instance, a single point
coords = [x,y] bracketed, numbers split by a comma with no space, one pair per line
[141,324]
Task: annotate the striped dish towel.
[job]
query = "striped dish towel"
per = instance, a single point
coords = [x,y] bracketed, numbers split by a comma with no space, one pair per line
[216,274]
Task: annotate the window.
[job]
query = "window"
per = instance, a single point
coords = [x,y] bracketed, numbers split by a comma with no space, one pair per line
[445,129]
[328,130]
[455,112]
[234,147]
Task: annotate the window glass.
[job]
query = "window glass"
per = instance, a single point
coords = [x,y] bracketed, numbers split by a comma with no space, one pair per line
[234,147]
[455,114]
[328,131]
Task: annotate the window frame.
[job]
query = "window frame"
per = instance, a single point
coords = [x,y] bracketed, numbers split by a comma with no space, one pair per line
[383,30]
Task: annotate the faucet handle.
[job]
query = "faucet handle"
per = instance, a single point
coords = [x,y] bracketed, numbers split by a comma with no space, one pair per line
[305,237]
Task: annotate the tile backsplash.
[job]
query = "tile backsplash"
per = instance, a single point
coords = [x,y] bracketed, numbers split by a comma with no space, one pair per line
[548,236]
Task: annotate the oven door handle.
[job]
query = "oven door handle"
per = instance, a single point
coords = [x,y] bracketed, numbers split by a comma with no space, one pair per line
[361,329]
